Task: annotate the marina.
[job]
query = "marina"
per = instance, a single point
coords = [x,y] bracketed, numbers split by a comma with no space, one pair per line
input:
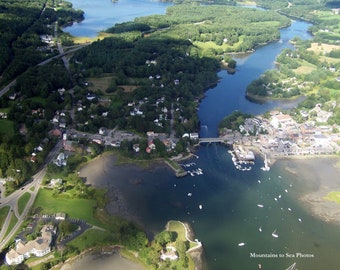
[193,172]
[242,159]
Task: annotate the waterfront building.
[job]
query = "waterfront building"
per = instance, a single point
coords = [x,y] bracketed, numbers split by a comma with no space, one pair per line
[38,247]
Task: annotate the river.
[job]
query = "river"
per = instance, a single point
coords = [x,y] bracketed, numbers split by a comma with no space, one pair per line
[231,200]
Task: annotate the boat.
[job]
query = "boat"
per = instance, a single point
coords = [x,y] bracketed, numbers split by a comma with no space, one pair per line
[200,206]
[300,220]
[274,234]
[241,244]
[292,267]
[260,205]
[189,194]
[260,229]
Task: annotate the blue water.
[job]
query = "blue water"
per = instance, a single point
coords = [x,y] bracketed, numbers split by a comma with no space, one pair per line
[102,14]
[229,197]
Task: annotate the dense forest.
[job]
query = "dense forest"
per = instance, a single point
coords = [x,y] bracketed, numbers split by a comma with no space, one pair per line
[21,24]
[229,29]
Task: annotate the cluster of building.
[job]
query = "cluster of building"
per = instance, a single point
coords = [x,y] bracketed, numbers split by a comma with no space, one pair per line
[38,247]
[281,135]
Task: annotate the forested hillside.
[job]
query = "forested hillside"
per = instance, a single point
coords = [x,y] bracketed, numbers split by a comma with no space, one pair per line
[21,24]
[215,29]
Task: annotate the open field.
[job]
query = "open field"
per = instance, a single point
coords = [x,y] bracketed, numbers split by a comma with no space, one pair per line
[100,83]
[3,214]
[178,227]
[23,201]
[73,207]
[323,48]
[305,68]
[92,237]
[6,127]
[12,223]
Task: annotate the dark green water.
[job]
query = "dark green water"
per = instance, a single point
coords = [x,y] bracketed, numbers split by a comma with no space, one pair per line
[230,214]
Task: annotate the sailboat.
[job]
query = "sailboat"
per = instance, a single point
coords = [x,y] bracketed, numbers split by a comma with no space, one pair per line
[274,234]
[292,267]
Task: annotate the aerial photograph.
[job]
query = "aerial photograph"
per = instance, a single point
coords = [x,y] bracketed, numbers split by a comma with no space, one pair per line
[169,134]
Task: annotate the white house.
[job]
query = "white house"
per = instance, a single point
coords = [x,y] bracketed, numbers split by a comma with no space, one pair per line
[170,253]
[281,120]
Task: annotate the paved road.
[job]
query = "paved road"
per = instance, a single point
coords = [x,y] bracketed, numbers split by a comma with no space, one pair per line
[12,199]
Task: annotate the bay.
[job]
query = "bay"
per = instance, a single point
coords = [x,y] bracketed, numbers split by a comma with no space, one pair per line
[102,14]
[230,198]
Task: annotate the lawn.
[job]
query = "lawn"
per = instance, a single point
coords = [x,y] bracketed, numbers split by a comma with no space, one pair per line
[23,201]
[92,237]
[3,214]
[12,223]
[6,127]
[73,207]
[178,227]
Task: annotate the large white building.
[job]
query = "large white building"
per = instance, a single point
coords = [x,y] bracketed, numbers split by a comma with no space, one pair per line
[38,247]
[281,120]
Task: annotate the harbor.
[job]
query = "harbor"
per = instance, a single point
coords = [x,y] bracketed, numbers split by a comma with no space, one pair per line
[242,159]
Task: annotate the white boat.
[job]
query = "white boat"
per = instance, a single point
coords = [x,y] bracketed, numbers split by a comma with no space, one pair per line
[260,205]
[274,234]
[300,220]
[289,209]
[200,206]
[241,244]
[292,267]
[260,229]
[189,194]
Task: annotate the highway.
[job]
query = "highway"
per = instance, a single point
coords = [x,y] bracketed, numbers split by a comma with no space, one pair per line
[12,199]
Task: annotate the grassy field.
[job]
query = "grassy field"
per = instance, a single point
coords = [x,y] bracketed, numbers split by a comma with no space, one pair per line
[73,207]
[6,127]
[12,223]
[23,201]
[305,68]
[100,83]
[176,226]
[92,237]
[3,214]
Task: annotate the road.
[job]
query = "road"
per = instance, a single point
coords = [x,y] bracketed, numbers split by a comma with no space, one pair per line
[12,199]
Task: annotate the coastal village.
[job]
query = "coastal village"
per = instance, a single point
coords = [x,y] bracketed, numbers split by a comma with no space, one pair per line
[281,136]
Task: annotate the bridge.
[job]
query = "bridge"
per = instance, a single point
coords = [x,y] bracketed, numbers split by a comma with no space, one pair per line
[211,140]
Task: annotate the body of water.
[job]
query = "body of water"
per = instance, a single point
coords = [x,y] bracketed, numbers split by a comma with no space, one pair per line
[103,14]
[249,207]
